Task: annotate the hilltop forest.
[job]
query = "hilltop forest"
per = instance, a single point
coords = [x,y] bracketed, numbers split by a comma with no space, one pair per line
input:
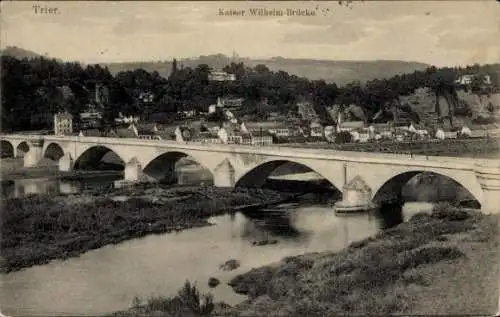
[43,85]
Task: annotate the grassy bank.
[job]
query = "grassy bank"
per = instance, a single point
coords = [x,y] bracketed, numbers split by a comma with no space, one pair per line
[37,229]
[443,263]
[52,172]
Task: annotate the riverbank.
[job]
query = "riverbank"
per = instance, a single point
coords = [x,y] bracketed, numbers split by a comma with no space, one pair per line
[12,170]
[38,229]
[443,263]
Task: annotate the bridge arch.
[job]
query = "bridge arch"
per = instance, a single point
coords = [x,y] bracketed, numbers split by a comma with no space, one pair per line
[257,176]
[7,149]
[92,158]
[164,167]
[22,148]
[434,186]
[53,152]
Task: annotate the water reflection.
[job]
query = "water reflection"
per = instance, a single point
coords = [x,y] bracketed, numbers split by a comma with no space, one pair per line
[105,280]
[25,187]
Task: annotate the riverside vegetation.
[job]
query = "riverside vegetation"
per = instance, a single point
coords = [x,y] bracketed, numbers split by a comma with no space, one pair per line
[37,229]
[389,273]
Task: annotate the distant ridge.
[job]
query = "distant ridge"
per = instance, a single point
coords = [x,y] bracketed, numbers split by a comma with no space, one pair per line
[340,72]
[20,53]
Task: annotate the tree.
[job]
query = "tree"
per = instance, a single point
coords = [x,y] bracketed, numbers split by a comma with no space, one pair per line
[343,137]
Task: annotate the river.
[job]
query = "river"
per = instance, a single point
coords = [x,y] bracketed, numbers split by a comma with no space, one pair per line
[107,279]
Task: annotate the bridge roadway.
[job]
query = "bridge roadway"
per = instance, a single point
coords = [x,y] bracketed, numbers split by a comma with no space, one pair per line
[384,174]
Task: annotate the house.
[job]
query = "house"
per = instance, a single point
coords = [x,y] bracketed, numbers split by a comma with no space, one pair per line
[90,133]
[294,139]
[145,128]
[246,138]
[208,126]
[469,79]
[487,80]
[350,125]
[212,108]
[296,131]
[317,129]
[166,134]
[206,137]
[125,133]
[443,133]
[229,103]
[146,97]
[465,132]
[262,138]
[479,133]
[230,133]
[91,117]
[329,133]
[63,123]
[464,80]
[183,134]
[221,76]
[274,127]
[126,119]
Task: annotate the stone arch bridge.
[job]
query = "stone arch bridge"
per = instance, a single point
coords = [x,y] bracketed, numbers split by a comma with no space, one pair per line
[237,165]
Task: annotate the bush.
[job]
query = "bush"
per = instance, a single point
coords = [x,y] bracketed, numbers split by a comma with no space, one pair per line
[445,211]
[427,255]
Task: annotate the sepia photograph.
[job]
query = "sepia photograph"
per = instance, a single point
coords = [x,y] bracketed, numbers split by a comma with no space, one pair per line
[250,158]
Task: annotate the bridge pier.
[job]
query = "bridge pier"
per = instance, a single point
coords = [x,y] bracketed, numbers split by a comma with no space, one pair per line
[35,153]
[66,163]
[488,177]
[133,171]
[356,195]
[224,175]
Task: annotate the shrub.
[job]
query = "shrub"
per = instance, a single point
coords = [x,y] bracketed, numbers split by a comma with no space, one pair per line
[427,255]
[445,211]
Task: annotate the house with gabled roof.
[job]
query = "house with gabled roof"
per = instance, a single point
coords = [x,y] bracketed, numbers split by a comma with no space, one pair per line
[90,133]
[125,133]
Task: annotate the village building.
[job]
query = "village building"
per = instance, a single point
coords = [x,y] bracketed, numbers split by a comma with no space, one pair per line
[350,125]
[91,117]
[246,138]
[296,130]
[183,134]
[465,132]
[274,127]
[329,133]
[261,138]
[206,137]
[445,133]
[91,133]
[126,119]
[212,108]
[146,97]
[124,133]
[317,129]
[167,134]
[221,76]
[63,123]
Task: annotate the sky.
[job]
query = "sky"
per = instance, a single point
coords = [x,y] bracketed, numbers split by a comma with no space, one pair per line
[442,33]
